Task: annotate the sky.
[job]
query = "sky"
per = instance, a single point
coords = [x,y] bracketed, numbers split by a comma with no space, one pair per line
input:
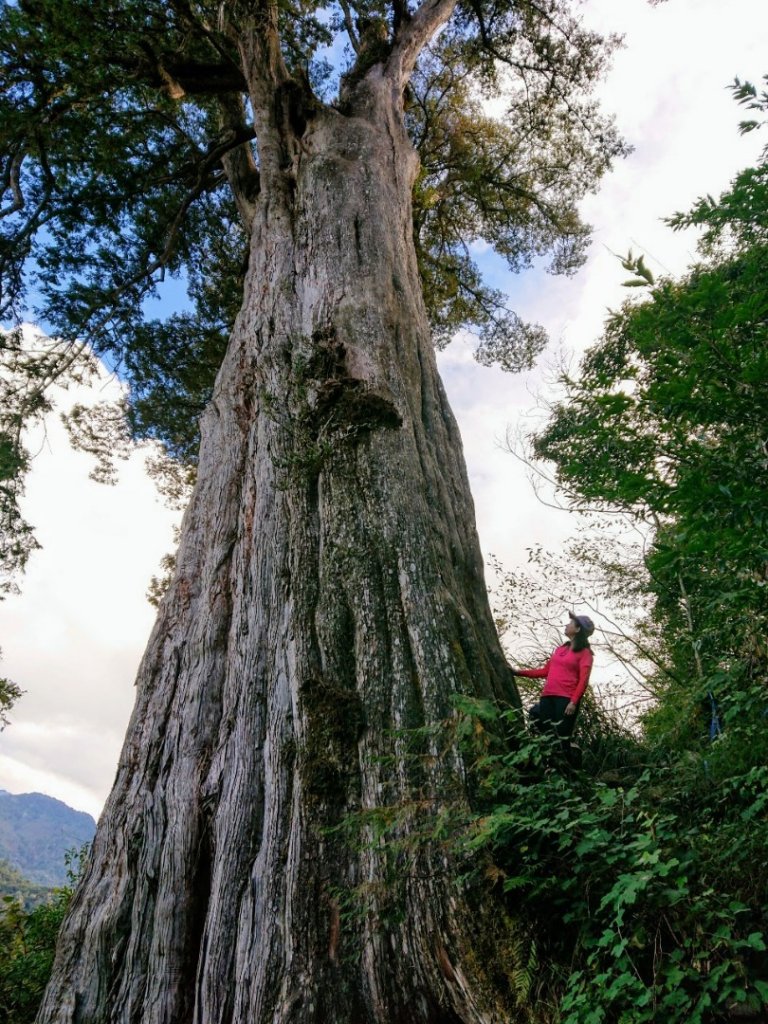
[73,637]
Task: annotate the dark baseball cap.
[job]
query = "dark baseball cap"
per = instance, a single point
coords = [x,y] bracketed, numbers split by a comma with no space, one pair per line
[585,622]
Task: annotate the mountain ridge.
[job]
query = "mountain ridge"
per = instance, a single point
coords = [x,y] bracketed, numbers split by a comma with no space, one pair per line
[36,830]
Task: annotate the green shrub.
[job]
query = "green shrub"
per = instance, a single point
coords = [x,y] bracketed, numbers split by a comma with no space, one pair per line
[648,896]
[28,943]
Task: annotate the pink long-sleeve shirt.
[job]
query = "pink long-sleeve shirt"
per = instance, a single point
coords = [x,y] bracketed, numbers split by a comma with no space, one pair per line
[566,672]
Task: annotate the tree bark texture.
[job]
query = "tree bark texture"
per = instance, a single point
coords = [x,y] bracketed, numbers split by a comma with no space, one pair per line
[329,600]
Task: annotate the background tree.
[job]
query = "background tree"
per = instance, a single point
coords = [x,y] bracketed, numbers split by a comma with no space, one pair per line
[30,918]
[666,421]
[640,882]
[9,694]
[27,945]
[328,597]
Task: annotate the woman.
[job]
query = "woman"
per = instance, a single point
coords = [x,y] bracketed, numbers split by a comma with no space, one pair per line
[567,675]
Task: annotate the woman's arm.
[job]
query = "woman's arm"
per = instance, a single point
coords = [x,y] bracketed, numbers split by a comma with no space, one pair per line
[533,673]
[585,667]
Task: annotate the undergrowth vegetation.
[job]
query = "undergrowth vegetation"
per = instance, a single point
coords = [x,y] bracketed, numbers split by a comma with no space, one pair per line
[28,943]
[643,882]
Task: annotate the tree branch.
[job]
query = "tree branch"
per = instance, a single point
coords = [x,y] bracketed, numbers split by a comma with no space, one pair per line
[238,161]
[350,26]
[200,27]
[270,87]
[400,14]
[265,68]
[181,77]
[14,174]
[413,35]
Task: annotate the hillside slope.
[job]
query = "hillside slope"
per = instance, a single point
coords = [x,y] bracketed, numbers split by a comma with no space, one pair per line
[36,831]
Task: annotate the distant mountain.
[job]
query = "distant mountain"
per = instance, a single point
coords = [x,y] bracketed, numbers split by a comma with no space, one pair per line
[35,833]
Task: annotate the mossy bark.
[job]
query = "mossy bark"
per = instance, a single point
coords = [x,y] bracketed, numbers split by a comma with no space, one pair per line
[329,597]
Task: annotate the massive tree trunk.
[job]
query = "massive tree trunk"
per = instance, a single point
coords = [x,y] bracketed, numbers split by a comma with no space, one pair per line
[329,600]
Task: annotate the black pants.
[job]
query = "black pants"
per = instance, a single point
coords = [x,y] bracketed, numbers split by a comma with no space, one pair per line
[549,714]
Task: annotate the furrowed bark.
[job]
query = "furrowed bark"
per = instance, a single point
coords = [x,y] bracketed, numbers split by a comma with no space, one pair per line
[329,600]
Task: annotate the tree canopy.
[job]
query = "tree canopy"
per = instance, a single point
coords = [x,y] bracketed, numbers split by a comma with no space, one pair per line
[133,154]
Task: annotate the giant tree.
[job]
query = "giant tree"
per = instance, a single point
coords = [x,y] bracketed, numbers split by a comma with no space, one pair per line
[317,175]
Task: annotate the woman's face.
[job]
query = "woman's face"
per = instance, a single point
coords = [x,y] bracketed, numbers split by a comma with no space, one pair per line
[572,629]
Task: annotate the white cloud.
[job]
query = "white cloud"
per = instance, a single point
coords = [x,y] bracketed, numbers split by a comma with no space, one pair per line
[73,637]
[20,777]
[668,90]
